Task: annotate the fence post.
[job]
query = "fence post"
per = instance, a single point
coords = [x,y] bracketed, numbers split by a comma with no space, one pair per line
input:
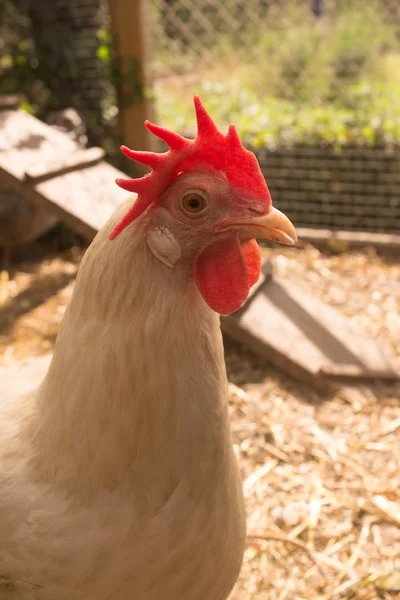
[130,29]
[317,7]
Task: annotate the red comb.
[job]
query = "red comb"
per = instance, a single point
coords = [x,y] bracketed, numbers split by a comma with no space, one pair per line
[210,147]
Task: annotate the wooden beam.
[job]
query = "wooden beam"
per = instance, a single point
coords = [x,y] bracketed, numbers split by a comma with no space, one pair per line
[83,196]
[351,239]
[130,29]
[355,373]
[306,338]
[9,102]
[37,172]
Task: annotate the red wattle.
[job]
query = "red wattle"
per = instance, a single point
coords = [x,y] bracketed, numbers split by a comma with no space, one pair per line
[224,272]
[252,255]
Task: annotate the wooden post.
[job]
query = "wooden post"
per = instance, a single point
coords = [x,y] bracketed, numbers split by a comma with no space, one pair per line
[129,27]
[317,7]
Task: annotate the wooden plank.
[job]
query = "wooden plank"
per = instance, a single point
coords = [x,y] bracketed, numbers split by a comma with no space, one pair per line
[26,141]
[259,346]
[304,337]
[339,338]
[265,275]
[89,196]
[22,222]
[344,371]
[354,239]
[9,102]
[41,171]
[83,199]
[265,328]
[130,24]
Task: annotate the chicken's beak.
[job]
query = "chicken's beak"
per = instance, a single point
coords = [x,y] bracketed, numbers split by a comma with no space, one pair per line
[274,226]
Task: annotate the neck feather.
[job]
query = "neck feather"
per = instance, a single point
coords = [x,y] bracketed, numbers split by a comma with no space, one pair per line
[137,386]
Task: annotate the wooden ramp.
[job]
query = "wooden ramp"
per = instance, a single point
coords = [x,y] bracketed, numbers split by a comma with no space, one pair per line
[292,330]
[46,167]
[305,337]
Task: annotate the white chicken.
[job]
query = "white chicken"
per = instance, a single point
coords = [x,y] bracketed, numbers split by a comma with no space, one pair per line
[118,477]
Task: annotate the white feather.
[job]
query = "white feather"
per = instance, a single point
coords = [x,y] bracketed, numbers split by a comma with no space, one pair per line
[164,245]
[118,479]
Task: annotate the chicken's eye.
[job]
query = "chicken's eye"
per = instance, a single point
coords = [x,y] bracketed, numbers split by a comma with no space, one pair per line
[193,203]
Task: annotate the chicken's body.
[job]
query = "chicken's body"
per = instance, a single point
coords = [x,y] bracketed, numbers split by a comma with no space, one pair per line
[115,493]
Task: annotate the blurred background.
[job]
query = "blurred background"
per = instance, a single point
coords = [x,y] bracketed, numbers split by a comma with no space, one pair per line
[301,79]
[313,87]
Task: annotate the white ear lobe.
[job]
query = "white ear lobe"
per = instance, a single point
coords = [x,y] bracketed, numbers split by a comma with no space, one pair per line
[164,245]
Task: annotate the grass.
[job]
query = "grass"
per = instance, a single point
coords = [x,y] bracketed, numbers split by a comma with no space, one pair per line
[334,80]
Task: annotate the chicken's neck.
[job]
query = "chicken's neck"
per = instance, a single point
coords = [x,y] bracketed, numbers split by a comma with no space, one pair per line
[136,391]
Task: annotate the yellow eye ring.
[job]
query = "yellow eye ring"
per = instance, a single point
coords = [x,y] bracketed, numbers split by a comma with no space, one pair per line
[193,203]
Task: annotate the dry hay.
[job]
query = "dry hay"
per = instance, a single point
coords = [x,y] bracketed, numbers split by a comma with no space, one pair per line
[321,479]
[321,471]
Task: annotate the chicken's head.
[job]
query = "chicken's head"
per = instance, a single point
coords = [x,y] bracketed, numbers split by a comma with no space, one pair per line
[206,201]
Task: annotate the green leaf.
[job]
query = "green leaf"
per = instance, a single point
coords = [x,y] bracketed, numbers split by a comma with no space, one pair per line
[103,53]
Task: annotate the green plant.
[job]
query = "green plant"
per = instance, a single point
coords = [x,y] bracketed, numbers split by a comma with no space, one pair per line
[297,80]
[372,115]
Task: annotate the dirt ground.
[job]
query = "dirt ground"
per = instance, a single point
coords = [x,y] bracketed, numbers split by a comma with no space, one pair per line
[320,470]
